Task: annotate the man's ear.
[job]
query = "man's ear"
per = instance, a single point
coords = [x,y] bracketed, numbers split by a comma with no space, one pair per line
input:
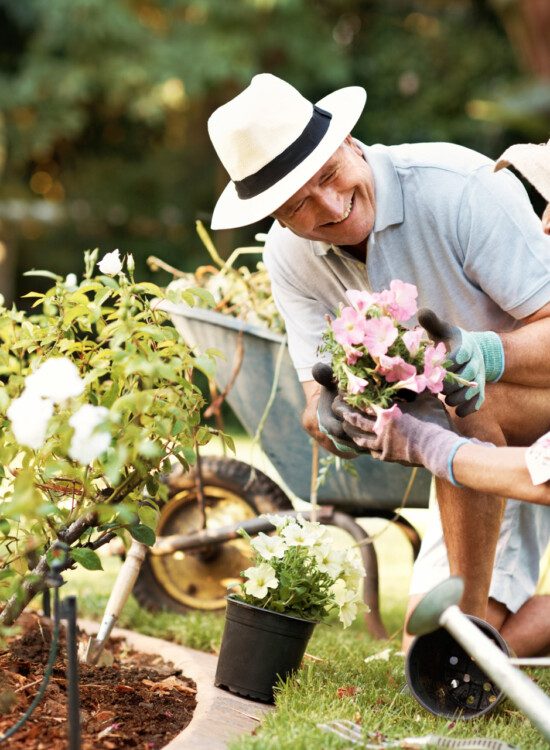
[350,141]
[279,222]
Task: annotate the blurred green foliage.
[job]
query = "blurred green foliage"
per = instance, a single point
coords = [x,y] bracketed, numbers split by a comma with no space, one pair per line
[105,102]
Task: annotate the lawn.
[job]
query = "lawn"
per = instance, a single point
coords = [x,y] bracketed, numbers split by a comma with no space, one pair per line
[336,683]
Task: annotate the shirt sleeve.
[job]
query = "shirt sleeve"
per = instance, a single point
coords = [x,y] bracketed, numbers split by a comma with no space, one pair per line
[304,315]
[506,253]
[537,459]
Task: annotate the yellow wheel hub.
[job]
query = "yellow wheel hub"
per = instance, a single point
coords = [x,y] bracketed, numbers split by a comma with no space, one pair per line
[199,578]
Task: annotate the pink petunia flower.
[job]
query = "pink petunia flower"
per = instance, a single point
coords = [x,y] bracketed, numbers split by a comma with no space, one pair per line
[360,299]
[400,300]
[412,340]
[435,356]
[383,416]
[352,354]
[416,383]
[379,334]
[434,378]
[395,368]
[355,383]
[349,328]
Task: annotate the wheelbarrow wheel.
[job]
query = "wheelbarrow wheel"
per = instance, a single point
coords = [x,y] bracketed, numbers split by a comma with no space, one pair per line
[198,579]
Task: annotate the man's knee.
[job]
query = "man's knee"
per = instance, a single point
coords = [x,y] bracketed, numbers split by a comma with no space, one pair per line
[510,415]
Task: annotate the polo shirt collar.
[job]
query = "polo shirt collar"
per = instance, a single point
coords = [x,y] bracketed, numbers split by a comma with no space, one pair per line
[388,193]
[387,187]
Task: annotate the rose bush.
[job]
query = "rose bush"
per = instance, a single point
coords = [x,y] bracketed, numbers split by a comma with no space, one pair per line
[96,401]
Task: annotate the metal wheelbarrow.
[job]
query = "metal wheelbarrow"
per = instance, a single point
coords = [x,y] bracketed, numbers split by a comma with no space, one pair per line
[198,552]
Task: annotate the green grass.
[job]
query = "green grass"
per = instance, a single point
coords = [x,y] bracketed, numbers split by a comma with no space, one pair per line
[310,697]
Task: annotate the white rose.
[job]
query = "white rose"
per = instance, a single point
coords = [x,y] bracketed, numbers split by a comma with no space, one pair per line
[29,416]
[71,282]
[57,379]
[110,264]
[88,443]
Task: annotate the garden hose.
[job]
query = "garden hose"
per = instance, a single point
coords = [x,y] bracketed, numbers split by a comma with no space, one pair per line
[47,673]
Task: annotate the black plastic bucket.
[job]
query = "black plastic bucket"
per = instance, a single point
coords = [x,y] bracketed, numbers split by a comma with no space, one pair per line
[259,647]
[446,680]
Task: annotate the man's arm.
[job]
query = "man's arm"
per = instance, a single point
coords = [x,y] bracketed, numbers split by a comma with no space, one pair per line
[527,351]
[310,423]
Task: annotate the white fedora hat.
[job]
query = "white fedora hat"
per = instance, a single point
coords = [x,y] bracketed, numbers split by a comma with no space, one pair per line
[272,140]
[533,161]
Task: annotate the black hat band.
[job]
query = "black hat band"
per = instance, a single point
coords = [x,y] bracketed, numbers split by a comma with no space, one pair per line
[288,159]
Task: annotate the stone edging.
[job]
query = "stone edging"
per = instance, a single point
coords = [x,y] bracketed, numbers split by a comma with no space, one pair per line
[219,716]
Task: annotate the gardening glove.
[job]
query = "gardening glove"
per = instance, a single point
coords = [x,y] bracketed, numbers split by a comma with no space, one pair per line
[422,435]
[476,356]
[329,423]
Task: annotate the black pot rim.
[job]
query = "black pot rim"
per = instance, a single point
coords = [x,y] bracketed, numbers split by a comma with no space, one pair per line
[231,598]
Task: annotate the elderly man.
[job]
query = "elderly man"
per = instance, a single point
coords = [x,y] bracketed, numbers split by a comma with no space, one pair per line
[435,215]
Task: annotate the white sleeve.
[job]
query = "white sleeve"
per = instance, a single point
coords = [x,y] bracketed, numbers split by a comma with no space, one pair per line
[304,315]
[537,459]
[506,253]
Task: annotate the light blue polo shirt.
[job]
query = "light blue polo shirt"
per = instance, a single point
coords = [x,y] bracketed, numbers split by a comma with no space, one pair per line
[467,237]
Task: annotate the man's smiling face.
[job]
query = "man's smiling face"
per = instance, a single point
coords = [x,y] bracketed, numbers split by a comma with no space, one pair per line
[337,204]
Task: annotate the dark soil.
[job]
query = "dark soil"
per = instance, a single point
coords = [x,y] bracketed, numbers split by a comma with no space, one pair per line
[138,702]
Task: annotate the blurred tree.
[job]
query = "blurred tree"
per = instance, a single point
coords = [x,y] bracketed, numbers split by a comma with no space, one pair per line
[523,104]
[106,101]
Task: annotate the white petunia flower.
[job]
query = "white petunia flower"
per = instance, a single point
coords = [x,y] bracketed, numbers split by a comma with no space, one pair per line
[110,264]
[347,613]
[88,443]
[276,520]
[56,379]
[314,529]
[269,546]
[329,560]
[260,579]
[297,536]
[354,562]
[347,601]
[71,282]
[29,416]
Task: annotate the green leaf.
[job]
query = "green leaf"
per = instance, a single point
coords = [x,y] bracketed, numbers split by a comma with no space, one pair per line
[228,440]
[87,558]
[204,295]
[148,516]
[148,288]
[143,534]
[206,365]
[46,274]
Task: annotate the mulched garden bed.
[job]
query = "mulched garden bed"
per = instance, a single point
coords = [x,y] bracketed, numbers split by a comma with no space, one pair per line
[138,702]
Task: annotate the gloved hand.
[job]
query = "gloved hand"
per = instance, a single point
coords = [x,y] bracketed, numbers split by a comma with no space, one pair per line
[329,423]
[421,435]
[476,355]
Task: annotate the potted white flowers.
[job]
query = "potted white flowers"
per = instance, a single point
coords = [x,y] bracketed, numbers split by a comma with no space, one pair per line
[298,579]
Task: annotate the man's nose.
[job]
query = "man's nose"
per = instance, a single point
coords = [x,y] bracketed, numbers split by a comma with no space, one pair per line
[331,204]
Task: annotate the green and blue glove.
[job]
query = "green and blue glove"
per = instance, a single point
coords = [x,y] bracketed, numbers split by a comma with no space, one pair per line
[476,355]
[330,424]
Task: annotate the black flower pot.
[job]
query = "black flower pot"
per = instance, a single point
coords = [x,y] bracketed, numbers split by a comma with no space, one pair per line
[446,680]
[259,647]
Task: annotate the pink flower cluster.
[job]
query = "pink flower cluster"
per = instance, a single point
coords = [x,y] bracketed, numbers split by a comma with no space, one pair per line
[373,326]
